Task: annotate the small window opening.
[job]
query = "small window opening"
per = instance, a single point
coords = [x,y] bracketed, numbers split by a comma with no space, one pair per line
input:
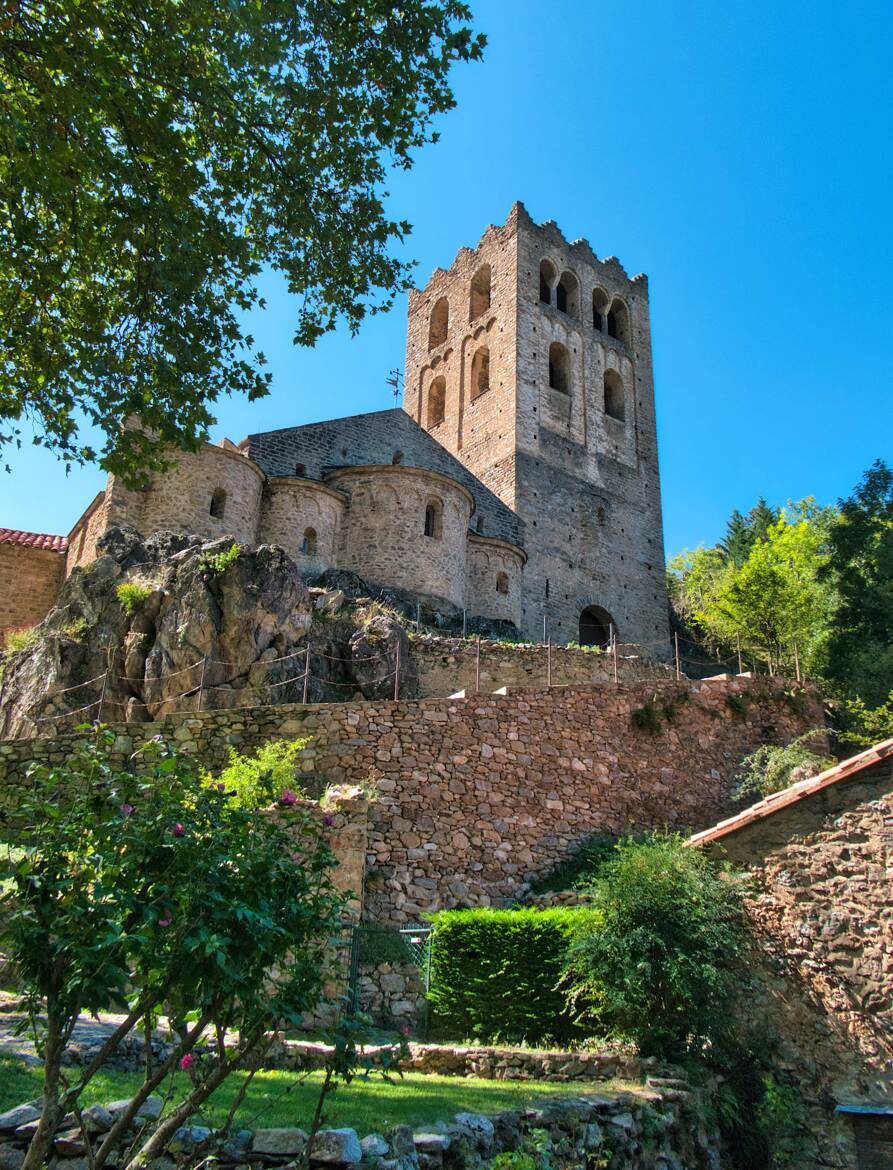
[439,324]
[567,297]
[618,321]
[480,372]
[479,299]
[436,401]
[397,458]
[479,524]
[502,583]
[434,519]
[615,396]
[599,309]
[300,469]
[218,503]
[559,378]
[308,544]
[547,279]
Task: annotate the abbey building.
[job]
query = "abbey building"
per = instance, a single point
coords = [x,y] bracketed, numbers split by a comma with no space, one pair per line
[519,482]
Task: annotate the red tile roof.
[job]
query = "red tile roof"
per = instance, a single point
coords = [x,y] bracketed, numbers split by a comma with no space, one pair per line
[33,539]
[799,791]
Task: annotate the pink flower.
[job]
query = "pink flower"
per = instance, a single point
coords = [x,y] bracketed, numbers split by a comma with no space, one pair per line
[187,1061]
[127,809]
[178,830]
[328,821]
[164,921]
[288,797]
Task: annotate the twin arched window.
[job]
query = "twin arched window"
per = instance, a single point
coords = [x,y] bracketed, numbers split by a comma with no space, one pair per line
[308,544]
[218,504]
[615,396]
[434,519]
[618,321]
[436,402]
[566,289]
[559,368]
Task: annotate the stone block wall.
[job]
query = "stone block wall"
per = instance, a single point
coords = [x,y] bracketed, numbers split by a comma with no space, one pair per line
[491,564]
[474,796]
[290,507]
[444,666]
[29,581]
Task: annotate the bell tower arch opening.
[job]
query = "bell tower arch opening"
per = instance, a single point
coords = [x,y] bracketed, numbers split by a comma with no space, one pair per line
[596,627]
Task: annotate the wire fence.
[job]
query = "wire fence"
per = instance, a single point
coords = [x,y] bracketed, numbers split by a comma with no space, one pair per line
[103,697]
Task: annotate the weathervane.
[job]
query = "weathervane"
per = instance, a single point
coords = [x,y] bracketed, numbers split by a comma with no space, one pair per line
[394,380]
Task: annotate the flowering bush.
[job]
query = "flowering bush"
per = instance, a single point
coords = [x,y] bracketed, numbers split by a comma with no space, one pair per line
[145,889]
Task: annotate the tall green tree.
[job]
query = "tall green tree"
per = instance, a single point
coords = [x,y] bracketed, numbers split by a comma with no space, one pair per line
[860,569]
[156,157]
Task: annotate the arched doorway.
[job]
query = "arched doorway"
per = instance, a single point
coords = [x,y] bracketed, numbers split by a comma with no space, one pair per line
[595,627]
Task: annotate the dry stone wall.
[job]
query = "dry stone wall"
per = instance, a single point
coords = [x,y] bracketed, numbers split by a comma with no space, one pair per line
[824,917]
[474,796]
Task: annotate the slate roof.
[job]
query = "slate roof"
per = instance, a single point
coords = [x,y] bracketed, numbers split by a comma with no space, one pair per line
[796,792]
[375,438]
[33,539]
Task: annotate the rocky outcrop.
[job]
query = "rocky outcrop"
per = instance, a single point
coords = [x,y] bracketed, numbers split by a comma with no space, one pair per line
[176,623]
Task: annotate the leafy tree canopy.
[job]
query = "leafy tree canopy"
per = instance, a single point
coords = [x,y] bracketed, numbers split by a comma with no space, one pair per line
[859,566]
[155,157]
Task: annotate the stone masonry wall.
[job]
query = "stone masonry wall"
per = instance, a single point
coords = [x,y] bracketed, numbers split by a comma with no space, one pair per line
[384,533]
[444,666]
[29,581]
[487,559]
[823,913]
[474,796]
[291,506]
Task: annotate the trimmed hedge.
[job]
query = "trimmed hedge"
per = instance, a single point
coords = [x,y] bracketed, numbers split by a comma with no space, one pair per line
[494,974]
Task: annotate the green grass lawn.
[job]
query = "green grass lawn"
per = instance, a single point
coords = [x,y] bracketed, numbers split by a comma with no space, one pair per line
[278,1099]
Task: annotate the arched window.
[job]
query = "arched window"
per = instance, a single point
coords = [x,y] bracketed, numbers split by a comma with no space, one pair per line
[502,583]
[397,458]
[300,469]
[218,503]
[436,402]
[618,321]
[434,519]
[480,372]
[596,627]
[567,295]
[559,369]
[439,325]
[479,298]
[599,308]
[547,279]
[308,544]
[615,396]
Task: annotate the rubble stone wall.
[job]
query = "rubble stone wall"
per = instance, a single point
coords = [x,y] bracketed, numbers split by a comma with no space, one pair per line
[474,796]
[444,666]
[291,506]
[824,917]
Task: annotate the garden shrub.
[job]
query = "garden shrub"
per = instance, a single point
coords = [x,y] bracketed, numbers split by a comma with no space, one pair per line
[580,867]
[658,960]
[770,768]
[495,973]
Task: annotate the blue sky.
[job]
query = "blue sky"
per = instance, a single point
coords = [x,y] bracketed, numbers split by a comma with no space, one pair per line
[740,154]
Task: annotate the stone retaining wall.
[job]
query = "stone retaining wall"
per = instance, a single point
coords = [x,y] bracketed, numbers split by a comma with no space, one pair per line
[475,796]
[444,666]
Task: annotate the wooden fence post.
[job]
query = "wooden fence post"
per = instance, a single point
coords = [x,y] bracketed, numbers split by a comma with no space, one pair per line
[306,676]
[678,665]
[397,673]
[477,666]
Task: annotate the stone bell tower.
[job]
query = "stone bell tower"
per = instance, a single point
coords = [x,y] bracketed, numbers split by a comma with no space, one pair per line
[530,360]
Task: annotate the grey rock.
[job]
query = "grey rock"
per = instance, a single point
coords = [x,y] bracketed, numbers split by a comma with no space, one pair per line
[479,1129]
[150,1110]
[331,603]
[427,1143]
[374,1146]
[187,1138]
[98,1119]
[11,1157]
[401,1141]
[20,1115]
[592,1139]
[623,1121]
[70,1143]
[285,1142]
[337,1145]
